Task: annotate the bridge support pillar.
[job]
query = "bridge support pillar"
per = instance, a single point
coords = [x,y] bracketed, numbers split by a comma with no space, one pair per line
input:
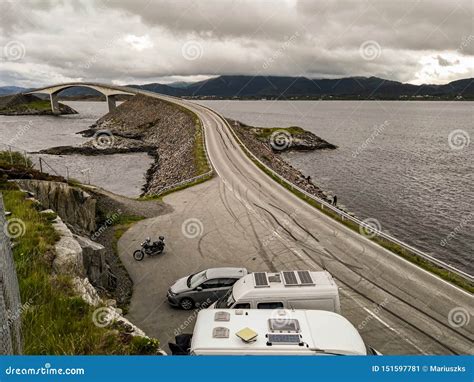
[54,103]
[111,102]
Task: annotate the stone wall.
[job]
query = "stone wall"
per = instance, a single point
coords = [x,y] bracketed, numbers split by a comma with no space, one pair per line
[75,206]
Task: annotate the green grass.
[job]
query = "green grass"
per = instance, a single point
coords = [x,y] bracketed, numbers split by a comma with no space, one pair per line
[393,247]
[13,158]
[39,105]
[264,133]
[121,225]
[57,322]
[200,156]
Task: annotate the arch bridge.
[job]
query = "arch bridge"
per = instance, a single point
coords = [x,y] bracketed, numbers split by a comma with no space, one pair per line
[109,91]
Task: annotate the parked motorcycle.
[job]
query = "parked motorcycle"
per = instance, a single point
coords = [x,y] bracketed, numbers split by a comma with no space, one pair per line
[149,248]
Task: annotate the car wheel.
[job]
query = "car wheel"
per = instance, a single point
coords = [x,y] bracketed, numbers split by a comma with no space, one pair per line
[186,303]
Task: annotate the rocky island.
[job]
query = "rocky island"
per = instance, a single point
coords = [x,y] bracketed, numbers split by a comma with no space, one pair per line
[267,144]
[27,104]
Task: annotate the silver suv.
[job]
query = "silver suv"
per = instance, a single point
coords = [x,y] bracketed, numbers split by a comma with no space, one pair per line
[203,288]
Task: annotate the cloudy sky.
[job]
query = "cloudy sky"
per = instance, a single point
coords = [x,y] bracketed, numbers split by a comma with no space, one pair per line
[140,41]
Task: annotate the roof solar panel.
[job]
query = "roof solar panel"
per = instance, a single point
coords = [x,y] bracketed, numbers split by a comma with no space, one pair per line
[260,279]
[305,278]
[290,278]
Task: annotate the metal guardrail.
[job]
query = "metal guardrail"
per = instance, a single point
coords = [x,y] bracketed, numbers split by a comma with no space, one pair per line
[187,181]
[324,204]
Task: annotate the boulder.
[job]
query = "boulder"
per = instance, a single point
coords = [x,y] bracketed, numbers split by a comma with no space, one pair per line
[68,259]
[93,257]
[86,291]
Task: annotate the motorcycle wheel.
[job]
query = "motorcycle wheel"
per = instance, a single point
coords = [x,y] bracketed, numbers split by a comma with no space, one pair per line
[138,255]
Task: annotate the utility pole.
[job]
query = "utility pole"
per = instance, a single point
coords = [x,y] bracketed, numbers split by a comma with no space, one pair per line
[41,164]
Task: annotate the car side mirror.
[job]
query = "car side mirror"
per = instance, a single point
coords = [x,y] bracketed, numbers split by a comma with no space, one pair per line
[199,288]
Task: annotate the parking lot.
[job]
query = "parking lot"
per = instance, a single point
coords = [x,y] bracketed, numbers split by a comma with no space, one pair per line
[203,231]
[197,237]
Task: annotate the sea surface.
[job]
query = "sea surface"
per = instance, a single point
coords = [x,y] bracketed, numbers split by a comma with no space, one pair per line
[123,174]
[408,165]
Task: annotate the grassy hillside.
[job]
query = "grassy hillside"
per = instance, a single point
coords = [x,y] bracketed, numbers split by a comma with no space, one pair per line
[54,319]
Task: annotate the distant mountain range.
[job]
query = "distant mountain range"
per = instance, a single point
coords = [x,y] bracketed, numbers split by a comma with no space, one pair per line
[272,87]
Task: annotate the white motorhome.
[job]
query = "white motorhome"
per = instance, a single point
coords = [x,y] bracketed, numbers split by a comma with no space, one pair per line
[286,289]
[277,332]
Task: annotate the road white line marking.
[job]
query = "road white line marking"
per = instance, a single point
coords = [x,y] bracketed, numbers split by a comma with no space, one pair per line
[383,322]
[395,331]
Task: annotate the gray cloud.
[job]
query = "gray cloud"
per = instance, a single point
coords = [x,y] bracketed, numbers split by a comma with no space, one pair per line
[152,40]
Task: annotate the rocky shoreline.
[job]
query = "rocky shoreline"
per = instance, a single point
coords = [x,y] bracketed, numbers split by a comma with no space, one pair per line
[281,139]
[144,124]
[265,149]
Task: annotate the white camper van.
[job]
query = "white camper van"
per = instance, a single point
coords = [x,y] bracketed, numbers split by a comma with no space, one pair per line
[286,289]
[277,332]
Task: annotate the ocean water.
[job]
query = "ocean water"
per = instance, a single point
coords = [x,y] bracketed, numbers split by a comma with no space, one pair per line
[123,174]
[409,165]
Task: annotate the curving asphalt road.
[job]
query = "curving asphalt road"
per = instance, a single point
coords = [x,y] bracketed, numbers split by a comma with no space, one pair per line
[245,218]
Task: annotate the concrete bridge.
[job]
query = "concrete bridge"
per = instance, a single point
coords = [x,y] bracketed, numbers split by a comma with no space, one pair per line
[109,91]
